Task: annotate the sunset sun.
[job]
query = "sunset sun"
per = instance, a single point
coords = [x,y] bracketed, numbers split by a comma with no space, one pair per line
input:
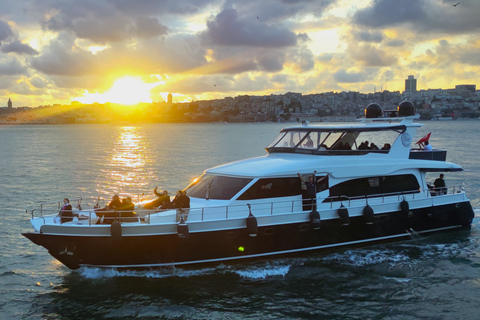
[127,90]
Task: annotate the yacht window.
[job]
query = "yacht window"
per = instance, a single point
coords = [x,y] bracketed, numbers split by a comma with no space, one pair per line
[216,187]
[273,188]
[382,140]
[277,139]
[331,138]
[311,141]
[362,187]
[291,139]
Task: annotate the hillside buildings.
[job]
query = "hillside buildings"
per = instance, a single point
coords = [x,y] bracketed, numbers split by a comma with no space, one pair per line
[461,102]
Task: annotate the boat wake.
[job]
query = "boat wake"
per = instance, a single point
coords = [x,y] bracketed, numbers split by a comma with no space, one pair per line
[253,272]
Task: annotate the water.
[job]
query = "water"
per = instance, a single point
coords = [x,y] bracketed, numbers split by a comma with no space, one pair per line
[426,278]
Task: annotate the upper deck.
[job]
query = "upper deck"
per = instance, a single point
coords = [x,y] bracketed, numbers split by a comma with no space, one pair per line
[369,136]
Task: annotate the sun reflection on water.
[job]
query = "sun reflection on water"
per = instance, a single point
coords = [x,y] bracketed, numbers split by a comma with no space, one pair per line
[127,166]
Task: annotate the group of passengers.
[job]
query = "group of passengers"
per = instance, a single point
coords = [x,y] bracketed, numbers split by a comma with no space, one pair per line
[181,200]
[124,208]
[115,210]
[372,146]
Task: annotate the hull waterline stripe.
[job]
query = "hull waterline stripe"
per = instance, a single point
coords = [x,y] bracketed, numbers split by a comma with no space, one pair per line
[271,253]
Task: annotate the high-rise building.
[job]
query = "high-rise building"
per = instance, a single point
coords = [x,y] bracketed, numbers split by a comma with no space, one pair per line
[169,98]
[10,104]
[411,84]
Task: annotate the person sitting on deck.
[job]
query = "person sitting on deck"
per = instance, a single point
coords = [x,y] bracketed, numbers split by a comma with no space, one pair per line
[109,210]
[439,185]
[308,142]
[126,211]
[116,203]
[427,147]
[163,199]
[66,214]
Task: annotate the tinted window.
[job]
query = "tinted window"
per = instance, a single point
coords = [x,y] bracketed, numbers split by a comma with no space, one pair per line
[272,188]
[376,185]
[216,187]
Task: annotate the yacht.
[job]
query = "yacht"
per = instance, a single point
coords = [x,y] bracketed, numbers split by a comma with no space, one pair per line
[318,188]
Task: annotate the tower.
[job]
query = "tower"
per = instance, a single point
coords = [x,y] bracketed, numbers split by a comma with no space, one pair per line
[10,104]
[169,98]
[411,84]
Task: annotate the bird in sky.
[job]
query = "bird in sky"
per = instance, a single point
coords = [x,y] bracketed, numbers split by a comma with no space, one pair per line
[456,4]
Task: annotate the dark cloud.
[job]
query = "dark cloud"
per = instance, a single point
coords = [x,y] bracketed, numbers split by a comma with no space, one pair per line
[6,32]
[229,29]
[421,16]
[38,83]
[101,22]
[367,36]
[59,59]
[149,27]
[158,7]
[271,61]
[18,47]
[371,56]
[275,11]
[302,58]
[343,76]
[395,43]
[385,13]
[10,66]
[280,78]
[471,57]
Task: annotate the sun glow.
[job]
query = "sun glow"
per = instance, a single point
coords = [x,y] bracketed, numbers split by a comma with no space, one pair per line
[127,90]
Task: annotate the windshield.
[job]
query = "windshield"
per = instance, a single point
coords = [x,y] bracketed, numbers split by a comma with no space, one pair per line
[216,187]
[337,139]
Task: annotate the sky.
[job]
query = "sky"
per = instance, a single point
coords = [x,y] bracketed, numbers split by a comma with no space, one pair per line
[130,51]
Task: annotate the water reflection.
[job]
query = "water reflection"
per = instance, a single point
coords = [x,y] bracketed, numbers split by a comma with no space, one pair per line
[128,165]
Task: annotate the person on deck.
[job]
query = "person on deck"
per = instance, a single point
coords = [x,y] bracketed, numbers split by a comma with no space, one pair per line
[163,198]
[66,214]
[439,185]
[427,147]
[311,192]
[116,203]
[109,211]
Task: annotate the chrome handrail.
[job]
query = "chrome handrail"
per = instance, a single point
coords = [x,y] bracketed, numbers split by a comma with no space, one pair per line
[295,206]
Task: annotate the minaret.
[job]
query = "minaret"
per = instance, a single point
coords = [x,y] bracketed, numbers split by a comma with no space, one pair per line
[10,104]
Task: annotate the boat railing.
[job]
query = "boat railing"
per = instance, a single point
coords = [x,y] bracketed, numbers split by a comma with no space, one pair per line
[412,194]
[348,199]
[240,210]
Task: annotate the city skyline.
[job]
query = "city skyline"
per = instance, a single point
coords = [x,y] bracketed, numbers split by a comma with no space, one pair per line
[61,51]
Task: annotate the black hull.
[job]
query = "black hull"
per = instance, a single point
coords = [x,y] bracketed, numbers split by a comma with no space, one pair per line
[236,245]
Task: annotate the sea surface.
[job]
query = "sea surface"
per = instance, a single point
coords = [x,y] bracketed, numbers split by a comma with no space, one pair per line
[437,277]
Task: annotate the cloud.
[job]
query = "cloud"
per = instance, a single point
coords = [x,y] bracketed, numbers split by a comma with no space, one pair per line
[63,57]
[343,76]
[11,66]
[384,13]
[367,36]
[149,28]
[229,29]
[6,32]
[421,16]
[100,22]
[395,43]
[18,47]
[156,7]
